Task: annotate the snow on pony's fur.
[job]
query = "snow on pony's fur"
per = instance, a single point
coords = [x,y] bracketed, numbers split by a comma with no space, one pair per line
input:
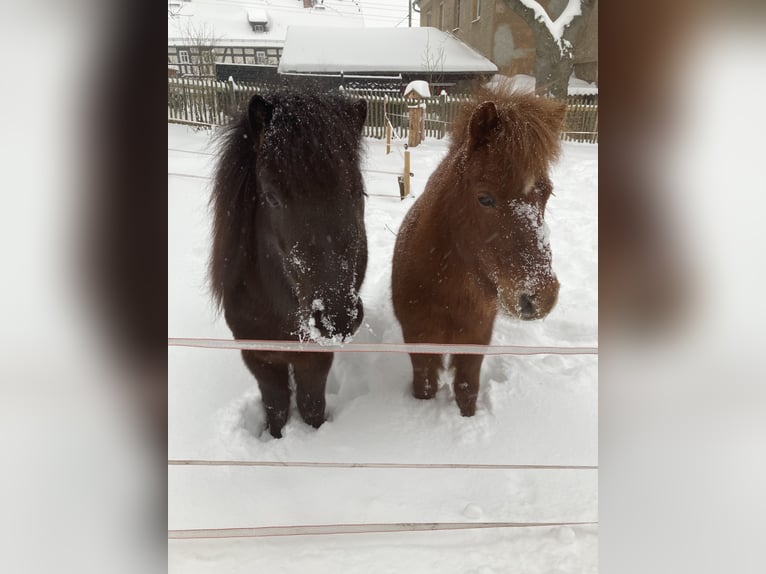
[475,242]
[289,247]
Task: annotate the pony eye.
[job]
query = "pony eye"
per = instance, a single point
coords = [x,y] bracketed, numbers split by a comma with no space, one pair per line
[486,200]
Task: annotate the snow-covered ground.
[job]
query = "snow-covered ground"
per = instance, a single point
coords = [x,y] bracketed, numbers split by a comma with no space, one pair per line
[531,410]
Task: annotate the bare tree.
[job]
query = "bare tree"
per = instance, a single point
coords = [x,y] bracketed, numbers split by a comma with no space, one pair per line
[554,41]
[201,41]
[433,61]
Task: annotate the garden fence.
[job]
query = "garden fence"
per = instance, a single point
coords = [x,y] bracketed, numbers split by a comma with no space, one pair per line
[207,102]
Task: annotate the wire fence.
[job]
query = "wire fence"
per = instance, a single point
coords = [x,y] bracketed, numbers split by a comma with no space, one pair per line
[380,465]
[368,528]
[336,347]
[378,115]
[206,102]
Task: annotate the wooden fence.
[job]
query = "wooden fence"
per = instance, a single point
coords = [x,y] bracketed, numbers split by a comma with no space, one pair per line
[207,102]
[581,122]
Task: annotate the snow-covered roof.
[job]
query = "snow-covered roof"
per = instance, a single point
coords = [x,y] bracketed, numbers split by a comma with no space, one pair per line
[229,20]
[321,50]
[420,87]
[257,15]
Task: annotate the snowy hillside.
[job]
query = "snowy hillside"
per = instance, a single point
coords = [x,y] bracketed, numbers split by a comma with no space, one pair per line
[531,410]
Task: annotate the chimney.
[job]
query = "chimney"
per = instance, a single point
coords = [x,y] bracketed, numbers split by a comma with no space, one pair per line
[308,3]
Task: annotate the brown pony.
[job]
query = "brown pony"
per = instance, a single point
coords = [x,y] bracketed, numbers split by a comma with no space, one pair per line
[475,241]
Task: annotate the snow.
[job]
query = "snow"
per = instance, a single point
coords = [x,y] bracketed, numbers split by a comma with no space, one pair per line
[229,20]
[420,87]
[531,410]
[525,82]
[557,26]
[257,15]
[378,49]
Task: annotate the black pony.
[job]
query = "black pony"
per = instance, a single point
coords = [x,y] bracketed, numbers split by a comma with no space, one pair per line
[289,249]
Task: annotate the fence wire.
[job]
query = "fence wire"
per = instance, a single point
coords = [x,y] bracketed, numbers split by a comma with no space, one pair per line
[336,347]
[370,528]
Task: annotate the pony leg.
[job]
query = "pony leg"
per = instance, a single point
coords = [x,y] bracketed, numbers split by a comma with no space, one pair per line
[310,373]
[275,391]
[425,375]
[467,369]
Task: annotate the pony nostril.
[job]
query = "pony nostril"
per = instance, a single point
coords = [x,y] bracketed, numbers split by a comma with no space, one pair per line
[526,306]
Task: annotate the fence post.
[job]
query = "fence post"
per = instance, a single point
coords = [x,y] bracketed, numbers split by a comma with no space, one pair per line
[443,115]
[406,171]
[384,119]
[185,97]
[232,97]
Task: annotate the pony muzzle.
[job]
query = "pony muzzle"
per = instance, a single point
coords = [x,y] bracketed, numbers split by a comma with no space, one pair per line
[536,305]
[342,324]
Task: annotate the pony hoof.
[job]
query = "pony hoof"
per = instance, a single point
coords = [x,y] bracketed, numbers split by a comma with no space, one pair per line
[315,422]
[275,432]
[467,410]
[424,392]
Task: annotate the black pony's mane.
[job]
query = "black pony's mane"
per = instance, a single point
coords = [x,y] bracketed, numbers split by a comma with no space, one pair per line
[310,142]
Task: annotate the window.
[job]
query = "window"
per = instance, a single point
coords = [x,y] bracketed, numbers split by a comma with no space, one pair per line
[476,9]
[183,56]
[258,28]
[457,14]
[441,16]
[260,57]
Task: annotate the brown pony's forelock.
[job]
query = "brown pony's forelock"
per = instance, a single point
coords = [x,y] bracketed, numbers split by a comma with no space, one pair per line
[529,127]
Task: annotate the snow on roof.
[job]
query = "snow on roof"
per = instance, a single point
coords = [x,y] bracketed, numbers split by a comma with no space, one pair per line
[420,87]
[378,49]
[229,21]
[257,15]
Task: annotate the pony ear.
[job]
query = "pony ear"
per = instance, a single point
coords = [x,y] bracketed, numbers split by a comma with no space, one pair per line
[259,113]
[360,111]
[483,122]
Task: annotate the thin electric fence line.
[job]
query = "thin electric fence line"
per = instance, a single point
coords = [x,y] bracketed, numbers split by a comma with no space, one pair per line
[420,348]
[191,151]
[375,465]
[180,174]
[369,528]
[193,176]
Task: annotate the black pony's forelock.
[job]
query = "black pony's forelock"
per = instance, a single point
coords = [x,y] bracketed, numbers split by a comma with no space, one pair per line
[311,138]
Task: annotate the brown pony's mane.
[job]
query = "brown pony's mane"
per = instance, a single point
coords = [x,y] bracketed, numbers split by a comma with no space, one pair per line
[529,127]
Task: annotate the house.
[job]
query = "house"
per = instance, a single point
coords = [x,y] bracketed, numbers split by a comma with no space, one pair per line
[400,55]
[204,35]
[493,29]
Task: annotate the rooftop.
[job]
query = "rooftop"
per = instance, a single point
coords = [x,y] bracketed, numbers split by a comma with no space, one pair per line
[321,50]
[229,22]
